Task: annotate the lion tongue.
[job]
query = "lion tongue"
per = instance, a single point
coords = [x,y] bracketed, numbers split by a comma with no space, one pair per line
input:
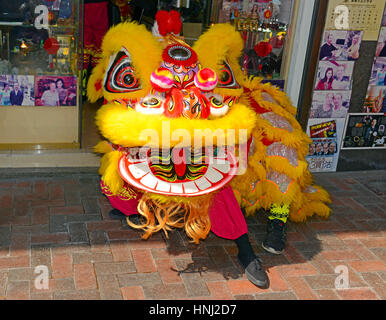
[179,161]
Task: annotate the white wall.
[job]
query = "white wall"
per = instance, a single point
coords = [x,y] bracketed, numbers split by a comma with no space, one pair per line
[298,56]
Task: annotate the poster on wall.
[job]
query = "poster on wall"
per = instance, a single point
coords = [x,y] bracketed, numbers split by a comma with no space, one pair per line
[378,72]
[17,90]
[375,101]
[381,45]
[55,91]
[230,10]
[326,135]
[363,15]
[365,131]
[334,75]
[330,104]
[384,18]
[340,45]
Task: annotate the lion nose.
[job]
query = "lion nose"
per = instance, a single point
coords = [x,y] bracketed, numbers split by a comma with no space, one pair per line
[188,103]
[192,105]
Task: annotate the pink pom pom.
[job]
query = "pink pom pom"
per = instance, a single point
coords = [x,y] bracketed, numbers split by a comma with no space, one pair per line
[162,79]
[206,79]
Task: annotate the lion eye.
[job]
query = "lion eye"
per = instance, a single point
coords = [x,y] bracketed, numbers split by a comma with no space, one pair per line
[120,76]
[151,105]
[226,78]
[215,101]
[217,104]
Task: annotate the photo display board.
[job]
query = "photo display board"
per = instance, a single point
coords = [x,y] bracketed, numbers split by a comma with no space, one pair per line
[366,130]
[331,126]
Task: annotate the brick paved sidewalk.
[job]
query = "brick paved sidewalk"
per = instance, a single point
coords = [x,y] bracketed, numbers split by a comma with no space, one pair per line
[60,220]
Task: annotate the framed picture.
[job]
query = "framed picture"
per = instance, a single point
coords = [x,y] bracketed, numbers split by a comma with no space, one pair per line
[323,148]
[378,72]
[334,75]
[375,101]
[365,131]
[340,45]
[330,104]
[63,56]
[323,152]
[56,91]
[381,45]
[17,90]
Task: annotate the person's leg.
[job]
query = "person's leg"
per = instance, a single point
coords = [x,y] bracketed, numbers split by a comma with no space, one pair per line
[276,236]
[124,204]
[228,221]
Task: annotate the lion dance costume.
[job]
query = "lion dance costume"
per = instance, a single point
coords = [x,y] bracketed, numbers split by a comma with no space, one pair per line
[190,139]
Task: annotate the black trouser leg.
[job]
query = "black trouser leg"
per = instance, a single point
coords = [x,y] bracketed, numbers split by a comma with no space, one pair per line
[246,254]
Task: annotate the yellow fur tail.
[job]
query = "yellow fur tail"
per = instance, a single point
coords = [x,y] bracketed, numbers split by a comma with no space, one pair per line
[278,172]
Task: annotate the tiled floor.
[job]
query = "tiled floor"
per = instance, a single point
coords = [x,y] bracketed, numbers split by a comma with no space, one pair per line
[58,219]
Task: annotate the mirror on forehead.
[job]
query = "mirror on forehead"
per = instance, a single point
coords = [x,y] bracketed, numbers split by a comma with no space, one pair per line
[179,53]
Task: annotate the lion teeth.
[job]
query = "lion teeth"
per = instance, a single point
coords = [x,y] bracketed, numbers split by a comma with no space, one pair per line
[190,187]
[220,169]
[139,170]
[163,186]
[222,166]
[213,175]
[149,181]
[177,188]
[203,183]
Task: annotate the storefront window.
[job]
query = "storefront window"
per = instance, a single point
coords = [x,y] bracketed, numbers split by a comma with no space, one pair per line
[264,26]
[39,49]
[39,46]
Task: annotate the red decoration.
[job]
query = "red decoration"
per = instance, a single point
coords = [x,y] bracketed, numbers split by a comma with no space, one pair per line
[267,14]
[51,45]
[168,22]
[263,48]
[98,85]
[277,42]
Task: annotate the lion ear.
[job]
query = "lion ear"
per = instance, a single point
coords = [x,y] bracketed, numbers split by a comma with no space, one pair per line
[95,83]
[220,49]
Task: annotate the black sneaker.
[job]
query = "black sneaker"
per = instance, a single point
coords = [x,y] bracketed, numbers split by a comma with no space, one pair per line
[256,274]
[276,236]
[115,214]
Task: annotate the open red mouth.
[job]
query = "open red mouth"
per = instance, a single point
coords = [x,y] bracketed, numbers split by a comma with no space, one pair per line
[179,171]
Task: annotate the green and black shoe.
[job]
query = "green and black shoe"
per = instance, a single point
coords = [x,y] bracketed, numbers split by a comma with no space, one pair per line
[276,236]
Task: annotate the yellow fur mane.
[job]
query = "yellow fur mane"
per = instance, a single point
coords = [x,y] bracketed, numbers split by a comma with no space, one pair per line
[123,126]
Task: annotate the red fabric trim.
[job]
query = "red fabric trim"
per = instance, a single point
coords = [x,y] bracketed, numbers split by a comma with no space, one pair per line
[266,141]
[254,104]
[98,85]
